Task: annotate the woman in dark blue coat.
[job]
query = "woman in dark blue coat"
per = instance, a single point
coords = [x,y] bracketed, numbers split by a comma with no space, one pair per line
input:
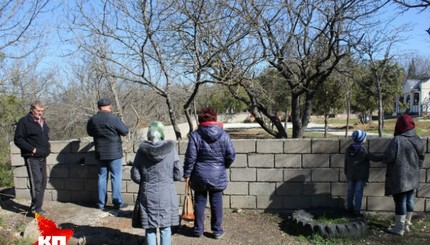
[210,152]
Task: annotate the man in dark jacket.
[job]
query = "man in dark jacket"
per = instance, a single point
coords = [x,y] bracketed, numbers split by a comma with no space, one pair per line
[107,129]
[32,138]
[210,152]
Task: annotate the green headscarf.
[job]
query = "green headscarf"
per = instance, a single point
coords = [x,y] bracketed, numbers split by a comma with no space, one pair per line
[155,131]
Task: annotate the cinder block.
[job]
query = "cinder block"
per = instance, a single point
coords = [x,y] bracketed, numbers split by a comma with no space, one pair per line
[344,144]
[240,161]
[90,158]
[424,190]
[245,202]
[337,160]
[262,189]
[126,175]
[270,146]
[377,175]
[297,202]
[56,183]
[237,188]
[378,145]
[16,160]
[244,145]
[297,146]
[21,183]
[316,160]
[325,175]
[79,171]
[288,160]
[316,189]
[64,146]
[243,174]
[131,187]
[374,189]
[270,175]
[423,175]
[270,202]
[14,149]
[128,198]
[91,185]
[20,172]
[339,189]
[426,162]
[380,203]
[290,189]
[297,175]
[22,194]
[420,204]
[59,171]
[129,158]
[325,146]
[74,184]
[324,201]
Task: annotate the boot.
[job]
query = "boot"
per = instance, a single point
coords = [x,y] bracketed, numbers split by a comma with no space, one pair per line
[408,222]
[398,228]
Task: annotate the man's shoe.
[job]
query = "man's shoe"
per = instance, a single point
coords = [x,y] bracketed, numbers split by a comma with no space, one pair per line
[121,206]
[219,235]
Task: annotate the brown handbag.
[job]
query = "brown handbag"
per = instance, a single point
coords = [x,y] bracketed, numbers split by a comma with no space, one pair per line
[188,207]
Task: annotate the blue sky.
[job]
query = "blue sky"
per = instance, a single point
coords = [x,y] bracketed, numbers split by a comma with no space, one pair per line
[418,40]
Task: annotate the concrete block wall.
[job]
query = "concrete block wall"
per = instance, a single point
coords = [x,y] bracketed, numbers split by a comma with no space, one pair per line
[283,174]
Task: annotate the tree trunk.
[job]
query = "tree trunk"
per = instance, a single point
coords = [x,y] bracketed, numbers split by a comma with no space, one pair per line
[173,118]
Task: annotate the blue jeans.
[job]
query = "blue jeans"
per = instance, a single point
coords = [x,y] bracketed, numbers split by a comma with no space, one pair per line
[115,169]
[404,202]
[217,212]
[355,195]
[165,236]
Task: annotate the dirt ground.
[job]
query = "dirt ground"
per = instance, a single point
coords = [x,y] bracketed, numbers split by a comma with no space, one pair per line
[93,226]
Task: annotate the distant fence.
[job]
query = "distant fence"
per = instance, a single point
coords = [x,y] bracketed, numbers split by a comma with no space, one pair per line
[284,174]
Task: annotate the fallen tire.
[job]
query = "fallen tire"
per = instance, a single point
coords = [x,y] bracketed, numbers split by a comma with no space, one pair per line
[303,223]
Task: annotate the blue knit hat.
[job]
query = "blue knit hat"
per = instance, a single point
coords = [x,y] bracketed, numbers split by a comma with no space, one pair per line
[359,135]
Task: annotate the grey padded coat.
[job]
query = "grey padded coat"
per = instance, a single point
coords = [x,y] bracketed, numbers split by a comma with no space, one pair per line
[404,157]
[155,168]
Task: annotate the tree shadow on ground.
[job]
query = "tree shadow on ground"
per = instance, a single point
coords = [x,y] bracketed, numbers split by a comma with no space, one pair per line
[7,203]
[102,235]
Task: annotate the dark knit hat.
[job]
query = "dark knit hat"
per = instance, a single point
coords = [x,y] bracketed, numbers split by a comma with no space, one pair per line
[207,115]
[404,123]
[104,102]
[359,135]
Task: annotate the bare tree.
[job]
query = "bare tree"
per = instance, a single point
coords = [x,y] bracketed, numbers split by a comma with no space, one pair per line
[376,52]
[136,40]
[415,4]
[305,41]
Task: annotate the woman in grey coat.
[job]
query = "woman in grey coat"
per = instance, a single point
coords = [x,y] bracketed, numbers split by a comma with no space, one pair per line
[404,157]
[155,168]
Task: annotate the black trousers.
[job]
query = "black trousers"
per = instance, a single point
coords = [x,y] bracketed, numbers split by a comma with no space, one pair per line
[37,174]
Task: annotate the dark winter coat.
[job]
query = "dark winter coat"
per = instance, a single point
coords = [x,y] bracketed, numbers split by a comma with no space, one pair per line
[29,135]
[155,168]
[210,152]
[404,157]
[107,129]
[357,162]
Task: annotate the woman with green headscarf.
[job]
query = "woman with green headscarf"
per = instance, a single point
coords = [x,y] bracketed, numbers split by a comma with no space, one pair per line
[155,168]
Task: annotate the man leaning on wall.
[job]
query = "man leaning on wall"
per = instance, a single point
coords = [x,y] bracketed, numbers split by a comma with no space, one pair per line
[32,138]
